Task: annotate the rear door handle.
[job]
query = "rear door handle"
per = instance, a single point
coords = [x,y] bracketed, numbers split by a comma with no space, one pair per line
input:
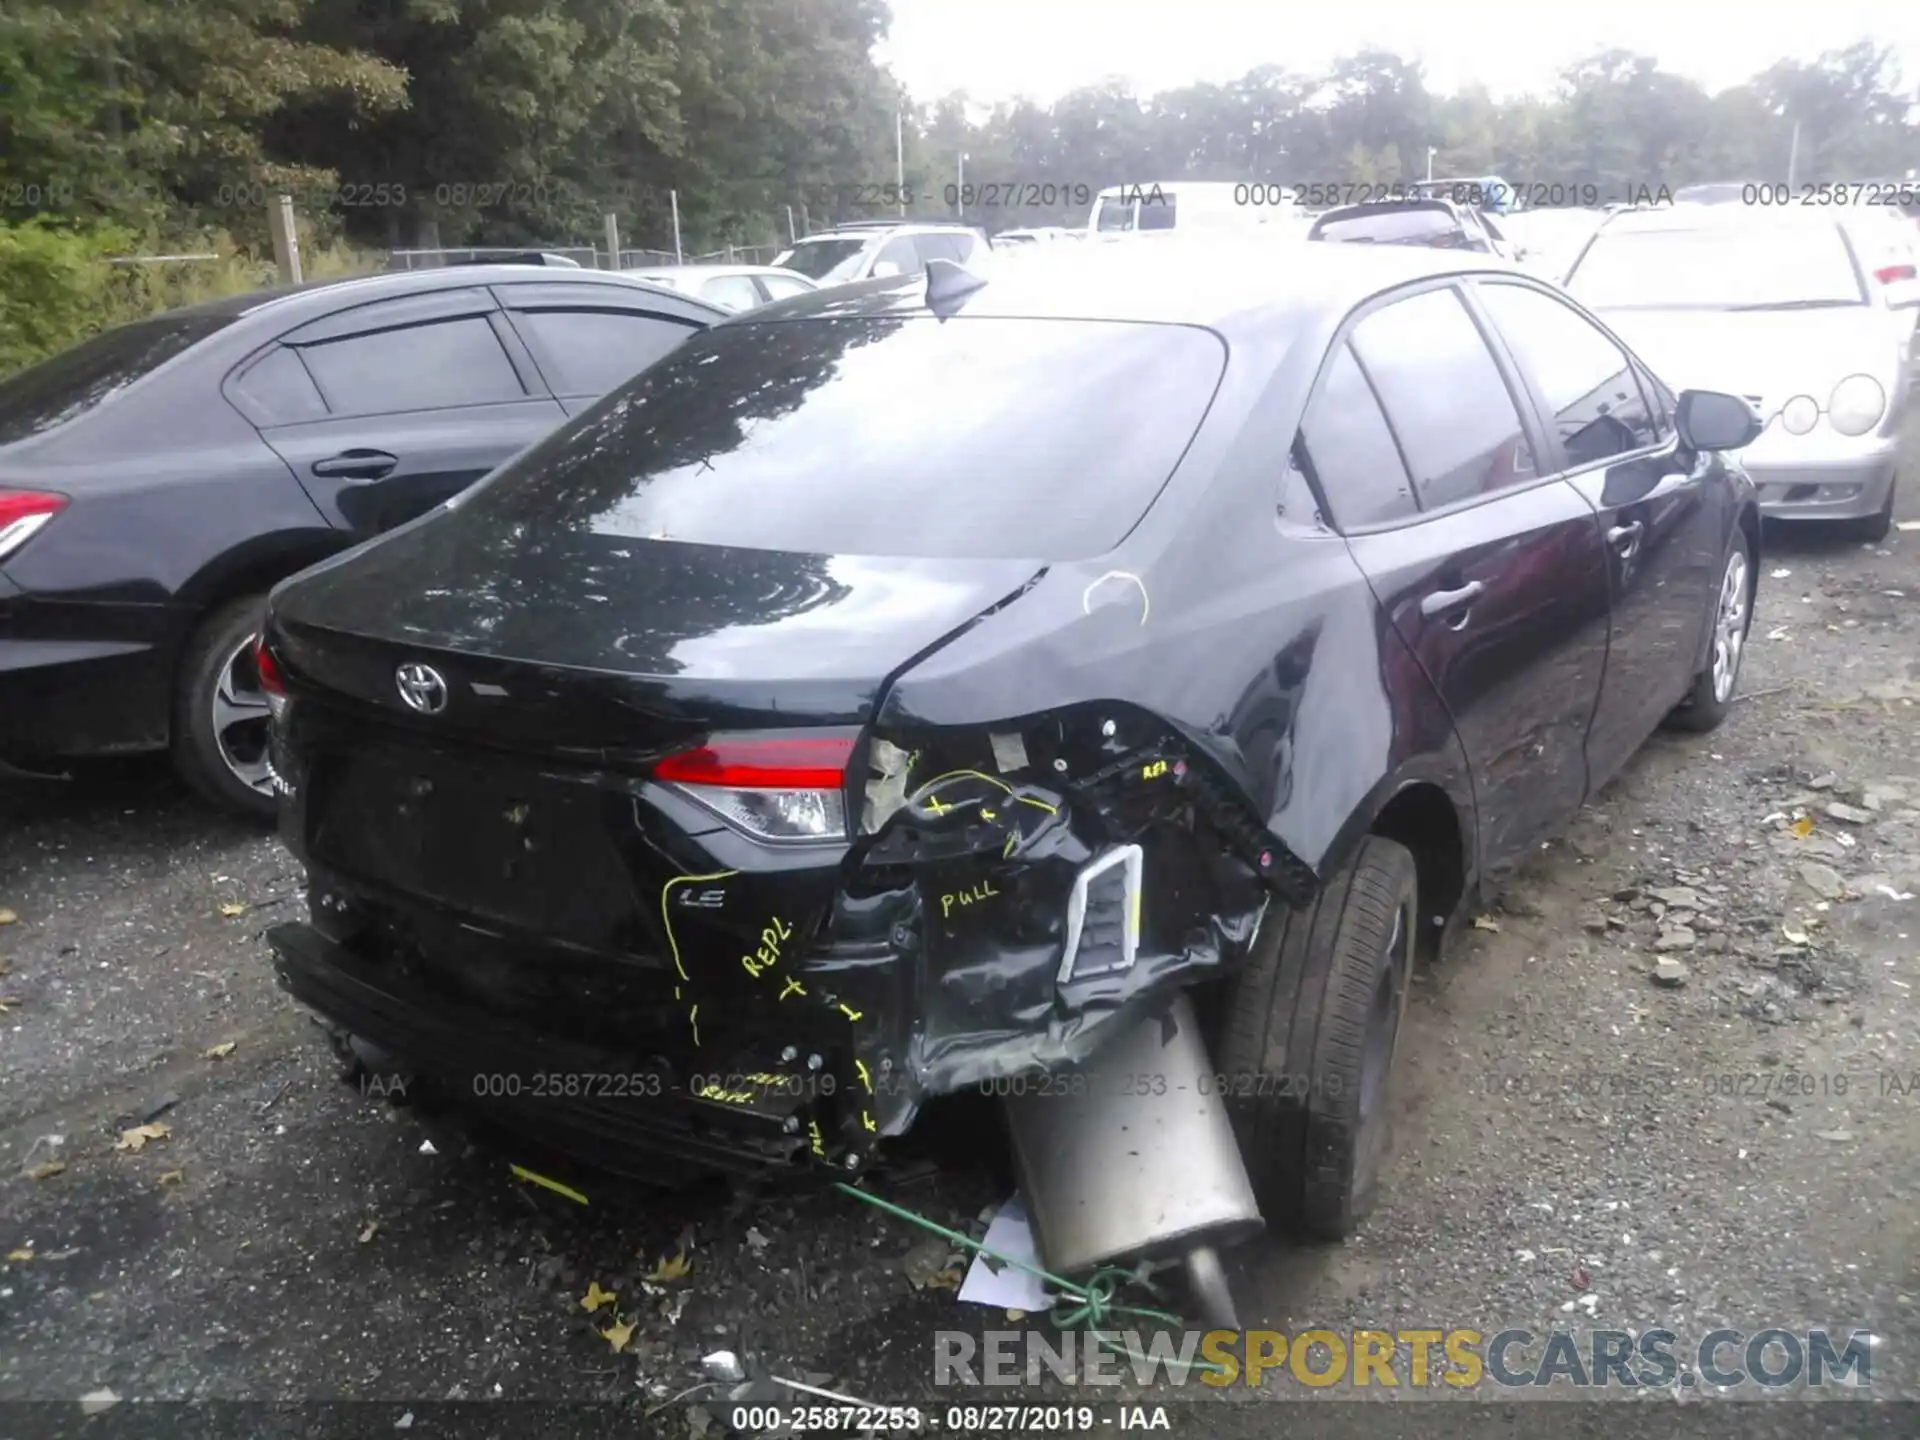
[1625,537]
[1442,602]
[356,465]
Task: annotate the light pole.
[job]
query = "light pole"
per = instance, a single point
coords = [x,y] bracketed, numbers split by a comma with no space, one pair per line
[900,161]
[960,187]
[1431,152]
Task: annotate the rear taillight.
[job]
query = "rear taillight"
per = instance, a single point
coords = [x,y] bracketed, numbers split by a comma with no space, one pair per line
[774,787]
[272,683]
[22,513]
[1889,274]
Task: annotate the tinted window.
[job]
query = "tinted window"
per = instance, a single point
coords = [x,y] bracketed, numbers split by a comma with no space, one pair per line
[1434,227]
[1157,211]
[1445,398]
[1350,451]
[589,352]
[423,367]
[1114,214]
[958,248]
[899,436]
[276,390]
[74,381]
[731,292]
[1588,381]
[781,286]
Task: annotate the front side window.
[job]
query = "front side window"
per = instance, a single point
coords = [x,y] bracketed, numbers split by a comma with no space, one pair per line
[584,353]
[1588,380]
[1445,397]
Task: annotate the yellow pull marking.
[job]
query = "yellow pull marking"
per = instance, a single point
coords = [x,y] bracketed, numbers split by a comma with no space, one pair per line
[553,1185]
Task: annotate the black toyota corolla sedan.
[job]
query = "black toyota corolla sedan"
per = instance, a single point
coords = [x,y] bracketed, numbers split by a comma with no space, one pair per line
[158,479]
[912,686]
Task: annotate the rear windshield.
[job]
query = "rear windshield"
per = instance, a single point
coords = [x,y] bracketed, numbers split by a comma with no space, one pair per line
[74,381]
[906,436]
[1417,226]
[1721,267]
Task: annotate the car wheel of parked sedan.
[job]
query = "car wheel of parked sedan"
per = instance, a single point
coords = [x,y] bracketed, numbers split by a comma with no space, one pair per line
[220,717]
[1711,698]
[1308,1042]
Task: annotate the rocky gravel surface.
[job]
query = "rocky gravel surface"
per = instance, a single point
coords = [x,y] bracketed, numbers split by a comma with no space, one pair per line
[1669,1077]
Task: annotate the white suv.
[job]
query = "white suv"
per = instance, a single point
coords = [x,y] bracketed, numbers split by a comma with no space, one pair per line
[869,250]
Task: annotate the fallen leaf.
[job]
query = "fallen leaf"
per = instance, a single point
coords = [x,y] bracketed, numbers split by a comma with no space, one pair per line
[947,1279]
[233,907]
[1794,937]
[596,1297]
[1839,1135]
[7,917]
[1485,922]
[220,1051]
[174,1177]
[1016,1314]
[676,1266]
[1803,827]
[373,1228]
[21,1255]
[1582,1280]
[46,1170]
[618,1335]
[139,1135]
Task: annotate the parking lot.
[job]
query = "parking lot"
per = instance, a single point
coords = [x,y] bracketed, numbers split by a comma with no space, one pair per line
[1579,1143]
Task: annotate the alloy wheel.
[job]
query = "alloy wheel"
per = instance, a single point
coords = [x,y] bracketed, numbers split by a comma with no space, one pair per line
[1730,626]
[241,719]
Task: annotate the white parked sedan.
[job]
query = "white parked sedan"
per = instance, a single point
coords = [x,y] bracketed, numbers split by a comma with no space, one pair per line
[1795,310]
[731,287]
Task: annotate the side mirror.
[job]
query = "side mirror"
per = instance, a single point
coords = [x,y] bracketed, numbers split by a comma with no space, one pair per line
[1713,420]
[885,268]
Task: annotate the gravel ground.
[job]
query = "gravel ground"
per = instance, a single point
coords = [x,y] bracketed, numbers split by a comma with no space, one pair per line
[1579,1144]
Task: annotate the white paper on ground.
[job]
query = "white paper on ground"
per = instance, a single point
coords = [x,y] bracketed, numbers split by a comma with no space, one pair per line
[1011,1288]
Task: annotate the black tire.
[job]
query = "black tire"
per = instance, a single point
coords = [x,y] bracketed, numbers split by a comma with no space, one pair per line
[1308,1038]
[1705,706]
[1877,526]
[197,750]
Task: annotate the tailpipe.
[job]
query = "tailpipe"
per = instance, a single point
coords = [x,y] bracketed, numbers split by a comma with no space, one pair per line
[1135,1158]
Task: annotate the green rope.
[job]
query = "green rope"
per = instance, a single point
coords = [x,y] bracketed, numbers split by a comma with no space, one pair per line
[1096,1303]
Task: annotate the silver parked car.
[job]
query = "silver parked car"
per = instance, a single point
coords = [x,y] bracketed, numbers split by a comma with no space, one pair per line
[731,287]
[1795,310]
[872,248]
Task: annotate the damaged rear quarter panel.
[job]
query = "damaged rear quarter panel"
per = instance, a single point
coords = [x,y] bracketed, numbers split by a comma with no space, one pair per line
[1251,641]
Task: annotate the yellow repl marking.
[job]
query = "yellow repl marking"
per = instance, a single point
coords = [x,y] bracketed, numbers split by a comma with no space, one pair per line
[965,897]
[813,1134]
[726,1097]
[865,1078]
[866,1119]
[545,1183]
[1153,771]
[767,955]
[693,1020]
[794,987]
[995,781]
[853,1015]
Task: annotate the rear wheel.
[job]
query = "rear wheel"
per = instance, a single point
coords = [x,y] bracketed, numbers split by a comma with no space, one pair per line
[1310,1031]
[220,716]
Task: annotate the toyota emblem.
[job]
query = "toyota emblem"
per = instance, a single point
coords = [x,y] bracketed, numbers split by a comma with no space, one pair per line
[422,687]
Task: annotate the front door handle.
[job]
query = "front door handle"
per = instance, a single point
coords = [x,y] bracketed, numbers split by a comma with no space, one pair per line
[356,465]
[1442,602]
[1625,537]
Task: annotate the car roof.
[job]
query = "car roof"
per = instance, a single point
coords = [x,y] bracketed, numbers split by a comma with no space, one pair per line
[1691,215]
[709,272]
[1209,279]
[863,229]
[288,300]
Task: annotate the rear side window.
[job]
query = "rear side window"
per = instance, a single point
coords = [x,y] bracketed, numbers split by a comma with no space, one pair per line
[904,436]
[439,366]
[1588,381]
[782,286]
[583,353]
[276,390]
[1158,212]
[1349,450]
[958,248]
[74,381]
[1445,398]
[900,251]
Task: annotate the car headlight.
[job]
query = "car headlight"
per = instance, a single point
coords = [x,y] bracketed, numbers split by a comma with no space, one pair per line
[1800,414]
[1857,404]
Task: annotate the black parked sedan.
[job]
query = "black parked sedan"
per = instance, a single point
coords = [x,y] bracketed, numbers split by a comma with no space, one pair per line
[910,687]
[158,479]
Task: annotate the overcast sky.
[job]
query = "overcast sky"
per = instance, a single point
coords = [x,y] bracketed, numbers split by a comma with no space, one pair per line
[1000,49]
